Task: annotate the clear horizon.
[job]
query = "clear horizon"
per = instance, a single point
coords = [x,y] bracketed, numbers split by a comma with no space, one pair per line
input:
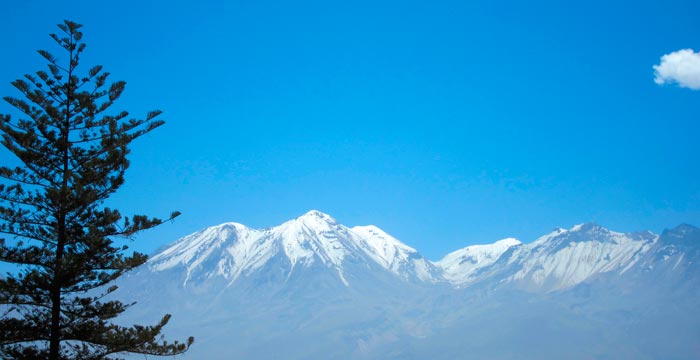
[444,124]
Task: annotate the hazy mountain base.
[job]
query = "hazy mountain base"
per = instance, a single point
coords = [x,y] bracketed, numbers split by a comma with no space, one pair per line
[644,309]
[308,315]
[598,320]
[571,325]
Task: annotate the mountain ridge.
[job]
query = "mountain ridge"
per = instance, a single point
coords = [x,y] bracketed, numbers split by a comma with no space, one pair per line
[312,288]
[560,259]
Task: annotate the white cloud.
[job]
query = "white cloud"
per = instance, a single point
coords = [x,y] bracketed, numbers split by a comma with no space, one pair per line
[681,67]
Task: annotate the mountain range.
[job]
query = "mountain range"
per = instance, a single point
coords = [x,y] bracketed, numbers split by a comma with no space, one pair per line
[312,288]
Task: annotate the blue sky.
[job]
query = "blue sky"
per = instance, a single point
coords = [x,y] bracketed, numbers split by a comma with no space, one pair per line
[446,123]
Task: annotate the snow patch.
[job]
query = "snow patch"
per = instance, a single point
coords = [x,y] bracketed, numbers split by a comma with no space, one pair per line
[460,266]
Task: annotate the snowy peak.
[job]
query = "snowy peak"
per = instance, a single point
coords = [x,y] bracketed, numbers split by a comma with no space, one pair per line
[464,265]
[589,227]
[231,250]
[225,250]
[312,236]
[565,258]
[559,260]
[590,232]
[316,217]
[507,242]
[197,247]
[313,240]
[577,233]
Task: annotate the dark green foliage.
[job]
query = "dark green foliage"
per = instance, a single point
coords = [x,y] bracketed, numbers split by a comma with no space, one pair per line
[55,226]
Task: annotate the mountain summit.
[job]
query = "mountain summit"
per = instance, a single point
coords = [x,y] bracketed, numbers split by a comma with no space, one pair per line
[314,240]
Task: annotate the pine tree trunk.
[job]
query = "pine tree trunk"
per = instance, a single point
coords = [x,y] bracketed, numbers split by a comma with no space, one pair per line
[55,341]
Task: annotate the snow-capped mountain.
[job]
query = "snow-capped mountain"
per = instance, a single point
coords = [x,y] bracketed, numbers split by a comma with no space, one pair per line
[556,261]
[312,288]
[464,265]
[561,259]
[313,240]
[565,258]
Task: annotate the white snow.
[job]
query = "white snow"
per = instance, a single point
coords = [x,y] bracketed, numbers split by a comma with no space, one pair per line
[560,259]
[231,246]
[314,233]
[392,254]
[230,250]
[383,246]
[460,266]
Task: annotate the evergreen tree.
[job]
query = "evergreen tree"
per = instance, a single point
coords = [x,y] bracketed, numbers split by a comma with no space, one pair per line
[56,228]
